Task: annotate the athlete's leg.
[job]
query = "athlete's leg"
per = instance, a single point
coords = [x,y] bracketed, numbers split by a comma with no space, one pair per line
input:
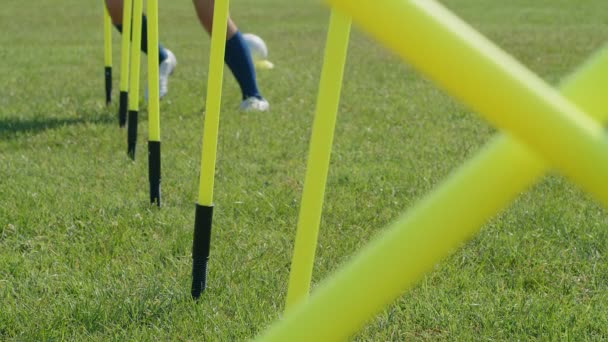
[237,57]
[115,9]
[166,59]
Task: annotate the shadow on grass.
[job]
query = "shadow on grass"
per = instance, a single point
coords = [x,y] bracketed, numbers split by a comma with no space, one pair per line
[14,127]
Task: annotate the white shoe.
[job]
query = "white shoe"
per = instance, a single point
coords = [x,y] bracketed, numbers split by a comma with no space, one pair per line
[254,104]
[165,69]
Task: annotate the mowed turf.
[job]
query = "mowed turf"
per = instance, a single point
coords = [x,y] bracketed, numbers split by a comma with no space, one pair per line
[83,256]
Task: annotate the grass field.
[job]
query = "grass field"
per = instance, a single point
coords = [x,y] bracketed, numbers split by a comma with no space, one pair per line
[83,256]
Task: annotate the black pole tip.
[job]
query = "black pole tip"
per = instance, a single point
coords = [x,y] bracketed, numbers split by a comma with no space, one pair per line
[108,78]
[155,197]
[132,133]
[154,171]
[155,194]
[200,249]
[131,151]
[123,101]
[199,277]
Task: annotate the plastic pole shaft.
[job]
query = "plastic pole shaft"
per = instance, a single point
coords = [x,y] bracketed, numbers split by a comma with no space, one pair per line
[107,43]
[125,50]
[134,78]
[202,232]
[213,102]
[154,155]
[318,158]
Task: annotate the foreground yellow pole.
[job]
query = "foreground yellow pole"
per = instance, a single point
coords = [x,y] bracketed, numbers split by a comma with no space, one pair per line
[134,78]
[423,32]
[107,48]
[154,165]
[213,102]
[204,207]
[318,158]
[430,230]
[125,50]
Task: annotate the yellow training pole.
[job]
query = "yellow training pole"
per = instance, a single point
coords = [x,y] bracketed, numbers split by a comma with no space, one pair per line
[125,49]
[107,48]
[318,158]
[491,82]
[153,104]
[134,78]
[411,246]
[204,207]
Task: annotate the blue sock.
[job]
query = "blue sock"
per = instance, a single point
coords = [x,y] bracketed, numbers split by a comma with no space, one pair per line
[238,59]
[162,53]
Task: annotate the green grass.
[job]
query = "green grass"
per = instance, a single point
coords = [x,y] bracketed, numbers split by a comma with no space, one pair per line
[84,257]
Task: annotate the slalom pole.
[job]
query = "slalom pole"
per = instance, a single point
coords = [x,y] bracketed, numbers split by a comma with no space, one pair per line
[107,47]
[204,206]
[318,158]
[134,77]
[125,49]
[153,104]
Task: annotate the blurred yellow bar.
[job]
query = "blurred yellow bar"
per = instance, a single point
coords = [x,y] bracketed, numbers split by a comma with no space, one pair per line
[125,46]
[153,91]
[107,37]
[213,102]
[475,71]
[318,158]
[135,55]
[429,231]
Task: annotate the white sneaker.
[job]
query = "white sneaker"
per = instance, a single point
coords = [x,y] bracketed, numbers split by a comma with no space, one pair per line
[165,69]
[254,104]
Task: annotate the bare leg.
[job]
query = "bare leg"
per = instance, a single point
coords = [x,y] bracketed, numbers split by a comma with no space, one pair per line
[237,57]
[115,10]
[204,10]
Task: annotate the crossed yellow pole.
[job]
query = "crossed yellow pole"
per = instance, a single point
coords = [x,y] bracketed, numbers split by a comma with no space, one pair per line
[421,31]
[543,127]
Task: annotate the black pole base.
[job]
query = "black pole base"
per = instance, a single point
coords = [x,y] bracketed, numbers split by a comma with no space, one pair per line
[123,102]
[200,249]
[154,171]
[132,134]
[108,74]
